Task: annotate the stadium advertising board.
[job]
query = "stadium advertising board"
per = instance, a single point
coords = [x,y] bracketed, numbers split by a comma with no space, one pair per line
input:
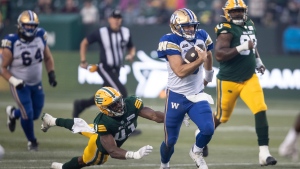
[151,76]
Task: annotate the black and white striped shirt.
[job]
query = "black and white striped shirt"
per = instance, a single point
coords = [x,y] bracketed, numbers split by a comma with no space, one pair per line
[112,45]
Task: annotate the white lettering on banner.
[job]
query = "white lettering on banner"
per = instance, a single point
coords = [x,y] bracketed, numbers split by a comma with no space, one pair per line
[174,105]
[152,77]
[85,76]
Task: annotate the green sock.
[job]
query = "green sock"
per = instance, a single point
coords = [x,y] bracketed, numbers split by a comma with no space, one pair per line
[262,128]
[72,164]
[67,123]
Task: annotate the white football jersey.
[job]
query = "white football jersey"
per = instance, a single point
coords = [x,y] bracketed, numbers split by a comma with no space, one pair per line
[27,56]
[172,44]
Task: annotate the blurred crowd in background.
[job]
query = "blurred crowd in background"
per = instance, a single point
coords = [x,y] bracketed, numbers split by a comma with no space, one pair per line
[268,13]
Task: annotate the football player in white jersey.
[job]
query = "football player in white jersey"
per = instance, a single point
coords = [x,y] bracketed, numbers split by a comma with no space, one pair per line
[23,54]
[185,85]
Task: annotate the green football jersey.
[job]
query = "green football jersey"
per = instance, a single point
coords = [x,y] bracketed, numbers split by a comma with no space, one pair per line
[120,127]
[241,67]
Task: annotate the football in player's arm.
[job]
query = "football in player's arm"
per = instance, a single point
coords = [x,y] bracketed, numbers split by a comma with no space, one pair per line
[115,122]
[185,88]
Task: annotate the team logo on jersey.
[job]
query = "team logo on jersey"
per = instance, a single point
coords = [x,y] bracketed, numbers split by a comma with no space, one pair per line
[174,105]
[6,43]
[184,45]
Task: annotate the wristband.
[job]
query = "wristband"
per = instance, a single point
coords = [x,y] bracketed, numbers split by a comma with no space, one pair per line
[209,74]
[242,47]
[14,81]
[129,155]
[258,61]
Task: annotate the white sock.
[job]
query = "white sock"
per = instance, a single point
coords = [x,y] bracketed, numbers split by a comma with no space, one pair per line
[196,149]
[165,165]
[265,150]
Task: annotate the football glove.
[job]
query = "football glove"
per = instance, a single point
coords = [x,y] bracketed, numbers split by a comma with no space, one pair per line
[260,67]
[17,83]
[51,77]
[186,120]
[144,151]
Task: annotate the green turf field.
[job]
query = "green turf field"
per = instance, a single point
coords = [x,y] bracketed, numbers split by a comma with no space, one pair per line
[233,146]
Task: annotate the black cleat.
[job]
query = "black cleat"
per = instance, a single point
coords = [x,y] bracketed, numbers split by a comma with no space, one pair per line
[77,108]
[271,161]
[136,132]
[205,151]
[33,145]
[11,120]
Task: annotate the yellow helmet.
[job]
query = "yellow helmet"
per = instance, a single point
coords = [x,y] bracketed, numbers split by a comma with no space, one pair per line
[184,17]
[235,4]
[109,101]
[28,18]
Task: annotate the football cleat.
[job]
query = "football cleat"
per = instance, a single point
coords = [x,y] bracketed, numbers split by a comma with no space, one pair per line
[198,159]
[11,120]
[48,121]
[265,157]
[164,168]
[32,145]
[205,151]
[56,165]
[77,108]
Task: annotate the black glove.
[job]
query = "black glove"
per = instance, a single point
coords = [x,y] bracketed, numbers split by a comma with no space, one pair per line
[51,76]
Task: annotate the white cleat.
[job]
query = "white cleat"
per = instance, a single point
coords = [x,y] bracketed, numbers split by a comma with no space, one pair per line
[198,159]
[56,165]
[48,121]
[265,157]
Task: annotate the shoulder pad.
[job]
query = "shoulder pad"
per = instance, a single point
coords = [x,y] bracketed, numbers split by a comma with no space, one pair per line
[9,40]
[135,101]
[42,33]
[223,27]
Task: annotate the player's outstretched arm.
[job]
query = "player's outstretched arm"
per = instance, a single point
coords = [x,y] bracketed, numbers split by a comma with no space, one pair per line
[110,146]
[153,115]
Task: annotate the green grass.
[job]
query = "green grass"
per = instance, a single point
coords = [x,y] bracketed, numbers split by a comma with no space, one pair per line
[233,146]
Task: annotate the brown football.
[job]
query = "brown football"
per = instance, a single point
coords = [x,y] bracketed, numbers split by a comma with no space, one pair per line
[192,54]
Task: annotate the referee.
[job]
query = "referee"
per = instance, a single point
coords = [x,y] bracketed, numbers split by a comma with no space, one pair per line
[114,41]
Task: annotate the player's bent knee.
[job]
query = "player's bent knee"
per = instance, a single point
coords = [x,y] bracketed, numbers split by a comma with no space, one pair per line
[172,142]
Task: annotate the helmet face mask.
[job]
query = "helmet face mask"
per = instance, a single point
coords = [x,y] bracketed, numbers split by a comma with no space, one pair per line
[235,6]
[109,101]
[28,23]
[180,20]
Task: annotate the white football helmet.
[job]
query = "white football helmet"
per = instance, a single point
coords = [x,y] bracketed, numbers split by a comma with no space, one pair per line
[235,4]
[184,17]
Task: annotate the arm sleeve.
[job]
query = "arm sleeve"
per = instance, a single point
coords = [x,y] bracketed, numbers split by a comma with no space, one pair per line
[93,37]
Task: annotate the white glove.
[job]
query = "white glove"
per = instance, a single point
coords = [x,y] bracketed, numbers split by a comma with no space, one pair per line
[146,150]
[17,83]
[260,67]
[186,120]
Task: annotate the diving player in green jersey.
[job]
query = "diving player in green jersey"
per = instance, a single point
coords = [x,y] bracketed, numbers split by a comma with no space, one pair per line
[111,128]
[238,57]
